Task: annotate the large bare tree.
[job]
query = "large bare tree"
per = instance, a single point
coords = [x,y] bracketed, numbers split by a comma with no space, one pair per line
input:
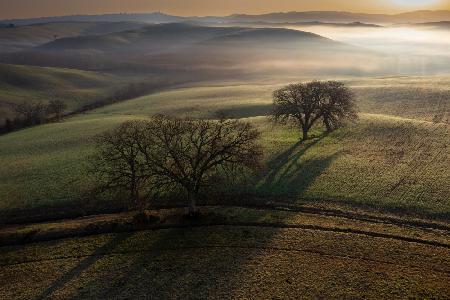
[192,153]
[306,103]
[165,153]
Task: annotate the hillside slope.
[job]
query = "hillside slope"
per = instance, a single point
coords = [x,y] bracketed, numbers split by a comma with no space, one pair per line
[381,162]
[33,84]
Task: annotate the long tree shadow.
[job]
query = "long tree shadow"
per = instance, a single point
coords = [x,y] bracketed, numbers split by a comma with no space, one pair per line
[183,263]
[83,265]
[290,175]
[187,263]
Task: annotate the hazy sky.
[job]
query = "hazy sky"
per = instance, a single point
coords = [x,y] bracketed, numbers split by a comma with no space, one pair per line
[36,8]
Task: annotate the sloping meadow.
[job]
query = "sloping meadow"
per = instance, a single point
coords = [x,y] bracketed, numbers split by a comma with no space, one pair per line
[392,162]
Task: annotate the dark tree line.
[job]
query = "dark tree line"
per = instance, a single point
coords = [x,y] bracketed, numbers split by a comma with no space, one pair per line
[307,103]
[31,114]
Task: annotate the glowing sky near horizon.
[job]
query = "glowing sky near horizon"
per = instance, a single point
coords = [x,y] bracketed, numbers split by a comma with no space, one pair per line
[39,8]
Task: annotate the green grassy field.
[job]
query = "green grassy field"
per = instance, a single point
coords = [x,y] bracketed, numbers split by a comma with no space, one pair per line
[409,97]
[387,160]
[34,84]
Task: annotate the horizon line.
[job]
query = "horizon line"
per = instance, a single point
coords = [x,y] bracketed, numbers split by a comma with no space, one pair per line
[221,16]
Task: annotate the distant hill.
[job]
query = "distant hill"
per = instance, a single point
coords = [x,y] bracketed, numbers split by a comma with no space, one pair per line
[178,36]
[300,24]
[184,47]
[344,17]
[146,17]
[421,16]
[268,38]
[435,25]
[27,36]
[148,39]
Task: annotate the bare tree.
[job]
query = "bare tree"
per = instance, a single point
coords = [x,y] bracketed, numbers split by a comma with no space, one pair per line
[306,103]
[165,153]
[339,105]
[299,103]
[120,162]
[56,108]
[191,153]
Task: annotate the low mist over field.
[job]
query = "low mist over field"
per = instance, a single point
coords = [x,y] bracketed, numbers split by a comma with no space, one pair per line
[234,46]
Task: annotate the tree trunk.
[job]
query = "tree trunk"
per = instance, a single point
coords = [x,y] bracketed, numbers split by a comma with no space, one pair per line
[139,201]
[305,133]
[192,208]
[328,125]
[135,197]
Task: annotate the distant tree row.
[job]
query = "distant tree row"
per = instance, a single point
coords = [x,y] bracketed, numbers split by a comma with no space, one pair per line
[164,153]
[7,25]
[30,114]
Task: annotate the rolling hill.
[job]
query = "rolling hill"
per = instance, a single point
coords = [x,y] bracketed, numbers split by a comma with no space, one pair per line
[179,46]
[393,159]
[148,18]
[344,17]
[30,36]
[152,38]
[444,25]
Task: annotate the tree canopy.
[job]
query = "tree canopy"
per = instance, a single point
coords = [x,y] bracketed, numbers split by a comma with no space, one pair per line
[306,103]
[167,152]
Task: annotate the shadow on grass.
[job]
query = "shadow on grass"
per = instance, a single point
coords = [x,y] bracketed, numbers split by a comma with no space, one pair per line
[168,264]
[202,262]
[290,175]
[82,266]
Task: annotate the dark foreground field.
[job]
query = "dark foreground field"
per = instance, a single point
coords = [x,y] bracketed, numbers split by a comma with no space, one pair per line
[234,253]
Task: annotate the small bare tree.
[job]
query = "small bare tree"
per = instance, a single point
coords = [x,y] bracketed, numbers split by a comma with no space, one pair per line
[120,162]
[306,103]
[191,153]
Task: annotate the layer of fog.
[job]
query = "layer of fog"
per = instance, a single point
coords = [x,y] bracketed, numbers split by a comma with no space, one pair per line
[233,52]
[407,49]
